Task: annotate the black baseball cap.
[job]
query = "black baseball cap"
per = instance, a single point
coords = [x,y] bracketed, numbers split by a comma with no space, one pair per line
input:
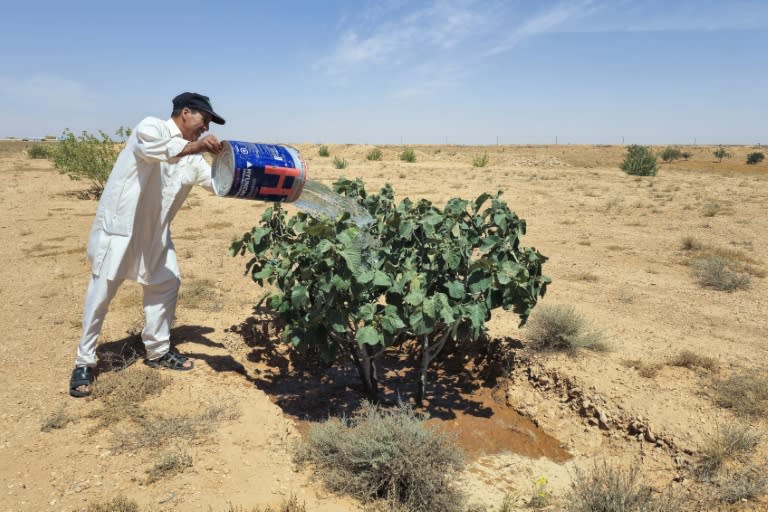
[196,101]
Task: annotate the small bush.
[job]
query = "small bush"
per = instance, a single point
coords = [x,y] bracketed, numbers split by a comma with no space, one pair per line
[639,161]
[610,489]
[721,153]
[689,359]
[57,419]
[728,443]
[408,155]
[561,328]
[290,505]
[480,160]
[87,157]
[118,504]
[720,273]
[38,151]
[388,455]
[644,369]
[671,153]
[752,158]
[685,155]
[170,464]
[746,483]
[374,154]
[323,151]
[746,394]
[339,163]
[688,243]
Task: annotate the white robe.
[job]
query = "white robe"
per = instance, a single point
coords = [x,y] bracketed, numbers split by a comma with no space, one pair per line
[131,234]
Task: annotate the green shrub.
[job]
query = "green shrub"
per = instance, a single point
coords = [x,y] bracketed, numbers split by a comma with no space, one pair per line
[720,273]
[609,489]
[323,151]
[685,155]
[671,153]
[755,158]
[38,151]
[745,483]
[721,153]
[390,455]
[87,157]
[408,155]
[560,328]
[639,161]
[480,160]
[339,163]
[374,154]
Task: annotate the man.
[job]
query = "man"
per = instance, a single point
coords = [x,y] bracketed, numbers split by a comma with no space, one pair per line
[131,237]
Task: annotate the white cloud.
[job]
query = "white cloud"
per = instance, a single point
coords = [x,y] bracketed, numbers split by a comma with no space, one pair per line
[544,22]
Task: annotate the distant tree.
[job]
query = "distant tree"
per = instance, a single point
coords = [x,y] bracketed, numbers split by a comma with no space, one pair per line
[639,161]
[721,153]
[755,158]
[671,153]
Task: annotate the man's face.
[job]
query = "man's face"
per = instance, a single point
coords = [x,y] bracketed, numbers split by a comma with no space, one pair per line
[194,123]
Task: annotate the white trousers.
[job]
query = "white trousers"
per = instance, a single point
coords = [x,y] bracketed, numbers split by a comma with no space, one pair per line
[159,309]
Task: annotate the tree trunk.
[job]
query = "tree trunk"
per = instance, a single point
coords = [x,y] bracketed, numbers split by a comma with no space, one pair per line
[366,368]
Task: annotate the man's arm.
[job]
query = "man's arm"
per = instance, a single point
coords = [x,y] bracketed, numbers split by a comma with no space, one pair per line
[209,144]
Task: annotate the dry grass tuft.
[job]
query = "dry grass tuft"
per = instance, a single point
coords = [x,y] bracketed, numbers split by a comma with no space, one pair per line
[560,328]
[155,430]
[745,393]
[746,483]
[730,442]
[646,370]
[610,489]
[169,464]
[199,294]
[386,455]
[57,419]
[689,359]
[118,504]
[720,274]
[290,505]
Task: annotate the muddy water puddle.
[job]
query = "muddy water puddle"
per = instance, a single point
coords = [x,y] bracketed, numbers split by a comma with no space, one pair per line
[503,431]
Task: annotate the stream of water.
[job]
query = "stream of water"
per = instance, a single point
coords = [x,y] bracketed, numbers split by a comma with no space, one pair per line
[318,200]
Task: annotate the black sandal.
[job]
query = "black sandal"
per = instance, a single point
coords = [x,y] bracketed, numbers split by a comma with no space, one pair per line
[171,360]
[81,376]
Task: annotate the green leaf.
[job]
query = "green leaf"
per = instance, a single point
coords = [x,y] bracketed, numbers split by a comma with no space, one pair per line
[382,279]
[415,297]
[365,276]
[455,289]
[299,297]
[367,335]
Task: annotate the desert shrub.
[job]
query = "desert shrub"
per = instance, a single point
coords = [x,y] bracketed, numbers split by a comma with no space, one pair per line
[611,489]
[689,243]
[560,328]
[670,153]
[390,455]
[639,161]
[374,154]
[480,160]
[728,443]
[87,157]
[39,151]
[323,151]
[721,153]
[745,393]
[121,393]
[685,155]
[720,273]
[689,359]
[199,294]
[288,505]
[408,155]
[745,483]
[646,370]
[169,464]
[339,163]
[752,158]
[117,504]
[57,419]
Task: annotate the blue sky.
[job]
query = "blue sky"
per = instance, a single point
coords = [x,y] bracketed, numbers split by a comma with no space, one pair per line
[395,71]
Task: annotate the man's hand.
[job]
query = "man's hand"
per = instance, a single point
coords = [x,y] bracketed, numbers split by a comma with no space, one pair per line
[209,144]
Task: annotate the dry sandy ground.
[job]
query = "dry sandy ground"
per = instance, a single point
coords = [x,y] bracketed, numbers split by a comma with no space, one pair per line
[615,249]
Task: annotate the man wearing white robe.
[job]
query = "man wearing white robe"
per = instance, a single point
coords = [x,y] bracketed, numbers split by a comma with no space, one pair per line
[131,235]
